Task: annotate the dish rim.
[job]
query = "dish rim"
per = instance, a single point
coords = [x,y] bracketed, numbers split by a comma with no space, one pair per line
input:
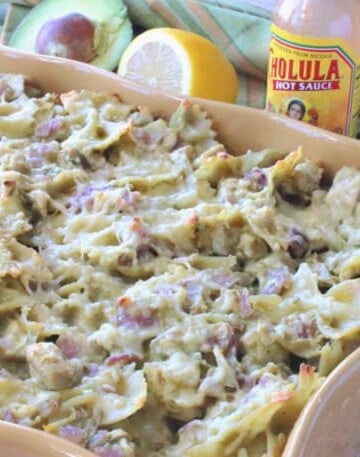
[20,437]
[301,431]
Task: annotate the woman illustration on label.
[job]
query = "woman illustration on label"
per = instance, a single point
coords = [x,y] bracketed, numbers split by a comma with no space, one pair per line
[296,109]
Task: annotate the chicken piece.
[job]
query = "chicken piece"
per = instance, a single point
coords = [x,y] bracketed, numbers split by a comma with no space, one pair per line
[50,369]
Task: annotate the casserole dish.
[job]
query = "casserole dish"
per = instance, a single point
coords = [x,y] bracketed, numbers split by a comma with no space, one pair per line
[241,130]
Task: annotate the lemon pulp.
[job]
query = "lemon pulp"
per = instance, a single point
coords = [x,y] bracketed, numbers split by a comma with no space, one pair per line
[181,62]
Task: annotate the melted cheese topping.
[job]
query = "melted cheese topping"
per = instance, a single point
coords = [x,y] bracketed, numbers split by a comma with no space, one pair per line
[158,295]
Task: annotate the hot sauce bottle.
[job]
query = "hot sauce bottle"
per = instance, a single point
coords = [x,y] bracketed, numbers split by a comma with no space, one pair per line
[314,63]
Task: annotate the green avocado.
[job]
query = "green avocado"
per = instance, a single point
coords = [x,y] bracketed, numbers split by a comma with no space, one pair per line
[113,29]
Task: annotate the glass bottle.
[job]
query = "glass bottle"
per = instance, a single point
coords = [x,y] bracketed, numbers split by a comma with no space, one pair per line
[314,64]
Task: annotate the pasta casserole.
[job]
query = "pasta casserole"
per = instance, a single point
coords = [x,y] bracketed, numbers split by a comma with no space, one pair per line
[160,296]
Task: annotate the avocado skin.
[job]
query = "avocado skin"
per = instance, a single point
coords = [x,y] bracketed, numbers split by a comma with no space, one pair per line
[116,27]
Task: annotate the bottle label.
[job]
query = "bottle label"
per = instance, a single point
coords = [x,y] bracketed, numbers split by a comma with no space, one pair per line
[316,80]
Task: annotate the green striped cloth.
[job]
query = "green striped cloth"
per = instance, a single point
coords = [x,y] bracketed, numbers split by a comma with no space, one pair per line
[240,28]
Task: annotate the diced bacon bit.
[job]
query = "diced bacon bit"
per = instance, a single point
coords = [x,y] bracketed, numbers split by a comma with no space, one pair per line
[245,382]
[144,137]
[37,152]
[128,200]
[34,158]
[281,397]
[236,349]
[166,290]
[33,285]
[108,451]
[8,416]
[125,260]
[220,277]
[72,433]
[92,369]
[193,219]
[194,290]
[137,226]
[246,309]
[215,156]
[98,445]
[88,203]
[84,197]
[52,128]
[9,183]
[257,179]
[221,341]
[123,358]
[298,244]
[98,439]
[69,347]
[8,187]
[222,155]
[137,320]
[305,327]
[6,92]
[306,370]
[279,280]
[264,380]
[222,335]
[125,300]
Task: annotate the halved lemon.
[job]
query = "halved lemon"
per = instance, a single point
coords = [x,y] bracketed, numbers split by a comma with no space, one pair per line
[180,62]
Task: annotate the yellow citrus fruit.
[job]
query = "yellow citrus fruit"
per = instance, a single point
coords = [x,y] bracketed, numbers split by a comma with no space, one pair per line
[181,62]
